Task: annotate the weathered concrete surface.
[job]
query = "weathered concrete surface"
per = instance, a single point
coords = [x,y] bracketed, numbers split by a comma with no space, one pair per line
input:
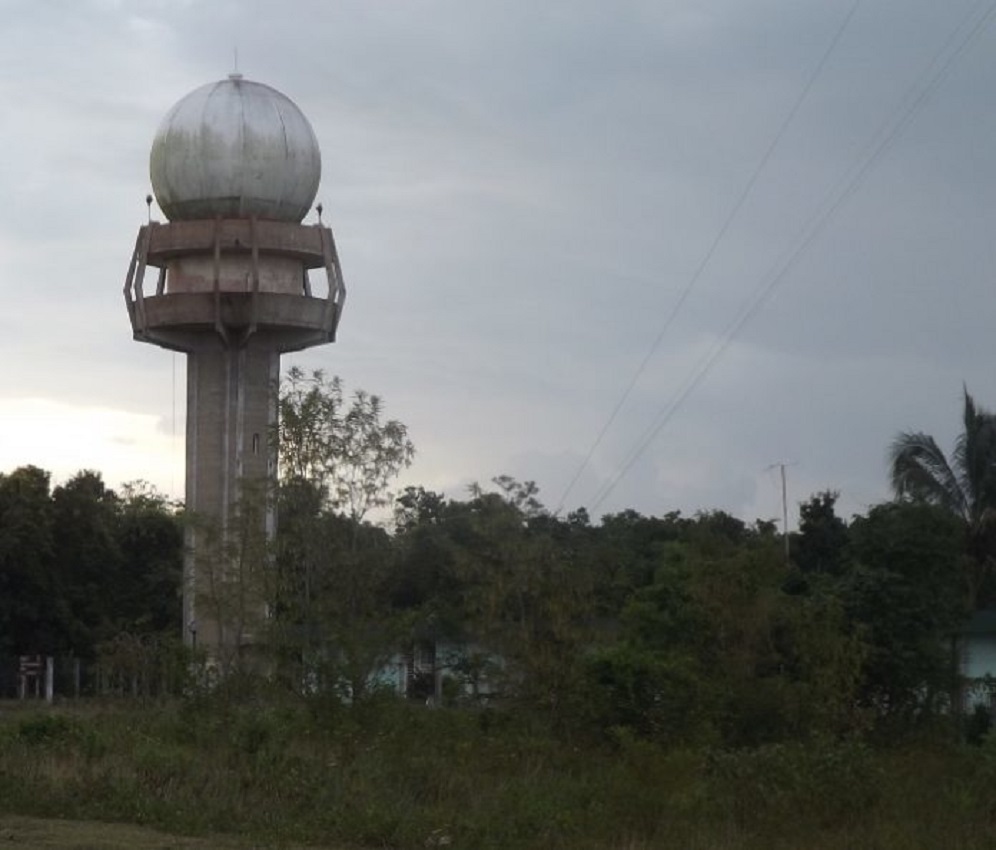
[288,322]
[231,466]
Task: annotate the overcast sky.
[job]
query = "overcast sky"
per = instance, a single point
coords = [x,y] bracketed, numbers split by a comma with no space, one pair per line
[522,194]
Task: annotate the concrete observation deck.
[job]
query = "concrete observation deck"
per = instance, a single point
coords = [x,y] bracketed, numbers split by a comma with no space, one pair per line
[239,278]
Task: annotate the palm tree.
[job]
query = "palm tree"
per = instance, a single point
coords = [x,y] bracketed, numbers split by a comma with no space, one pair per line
[966,485]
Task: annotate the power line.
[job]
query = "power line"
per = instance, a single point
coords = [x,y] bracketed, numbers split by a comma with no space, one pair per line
[880,143]
[713,246]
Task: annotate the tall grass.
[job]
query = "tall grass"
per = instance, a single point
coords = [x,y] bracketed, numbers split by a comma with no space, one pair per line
[389,774]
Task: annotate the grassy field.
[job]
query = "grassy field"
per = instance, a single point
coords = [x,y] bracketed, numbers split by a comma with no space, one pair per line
[22,833]
[276,773]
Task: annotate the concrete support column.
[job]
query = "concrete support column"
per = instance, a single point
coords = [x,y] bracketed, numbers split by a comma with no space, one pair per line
[232,294]
[231,418]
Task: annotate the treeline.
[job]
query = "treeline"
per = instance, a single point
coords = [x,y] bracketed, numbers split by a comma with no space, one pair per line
[81,564]
[660,682]
[638,681]
[682,630]
[677,629]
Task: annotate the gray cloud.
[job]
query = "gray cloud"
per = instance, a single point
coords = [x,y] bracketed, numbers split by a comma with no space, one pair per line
[520,194]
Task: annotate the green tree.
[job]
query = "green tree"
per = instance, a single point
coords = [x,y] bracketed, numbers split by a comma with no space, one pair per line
[149,538]
[334,570]
[820,546]
[350,453]
[903,596]
[88,564]
[417,507]
[498,574]
[336,618]
[627,549]
[964,485]
[713,650]
[79,564]
[31,613]
[427,581]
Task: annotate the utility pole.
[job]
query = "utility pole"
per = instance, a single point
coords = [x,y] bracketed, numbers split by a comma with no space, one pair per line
[785,516]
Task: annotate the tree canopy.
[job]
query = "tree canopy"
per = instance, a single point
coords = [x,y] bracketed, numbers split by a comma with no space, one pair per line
[80,563]
[681,629]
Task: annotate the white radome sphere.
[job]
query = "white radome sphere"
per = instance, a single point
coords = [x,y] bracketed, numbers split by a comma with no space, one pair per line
[235,148]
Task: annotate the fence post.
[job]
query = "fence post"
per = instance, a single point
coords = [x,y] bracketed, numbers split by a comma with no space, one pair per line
[49,679]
